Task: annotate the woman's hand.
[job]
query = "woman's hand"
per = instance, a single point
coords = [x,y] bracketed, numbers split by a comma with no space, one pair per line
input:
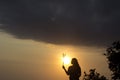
[65,70]
[63,67]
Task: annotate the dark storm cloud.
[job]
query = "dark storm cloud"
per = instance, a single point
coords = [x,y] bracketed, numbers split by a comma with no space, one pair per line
[77,22]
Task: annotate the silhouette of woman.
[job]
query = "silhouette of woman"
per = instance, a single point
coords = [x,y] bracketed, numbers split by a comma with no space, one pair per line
[74,71]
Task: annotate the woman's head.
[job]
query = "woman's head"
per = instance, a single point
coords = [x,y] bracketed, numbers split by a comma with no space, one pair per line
[74,61]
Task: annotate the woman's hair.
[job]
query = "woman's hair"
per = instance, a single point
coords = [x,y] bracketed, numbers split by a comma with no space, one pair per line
[74,61]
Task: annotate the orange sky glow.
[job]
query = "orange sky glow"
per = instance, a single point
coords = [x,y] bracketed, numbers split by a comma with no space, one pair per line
[30,60]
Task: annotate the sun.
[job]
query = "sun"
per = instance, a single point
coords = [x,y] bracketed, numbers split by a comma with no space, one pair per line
[66,60]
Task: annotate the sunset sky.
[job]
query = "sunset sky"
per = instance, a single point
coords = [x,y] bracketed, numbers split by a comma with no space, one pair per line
[34,35]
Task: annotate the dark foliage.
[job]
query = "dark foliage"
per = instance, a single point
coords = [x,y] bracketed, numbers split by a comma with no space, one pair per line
[113,56]
[93,75]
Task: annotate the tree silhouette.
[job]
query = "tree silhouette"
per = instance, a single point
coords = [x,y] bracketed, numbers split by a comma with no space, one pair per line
[93,75]
[113,56]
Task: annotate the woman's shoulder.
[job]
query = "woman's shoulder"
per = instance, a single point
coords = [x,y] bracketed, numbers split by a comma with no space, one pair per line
[70,67]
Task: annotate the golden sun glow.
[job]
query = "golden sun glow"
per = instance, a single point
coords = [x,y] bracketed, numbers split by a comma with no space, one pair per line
[66,60]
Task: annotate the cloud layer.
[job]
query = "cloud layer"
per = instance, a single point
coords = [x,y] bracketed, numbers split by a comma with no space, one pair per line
[74,22]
